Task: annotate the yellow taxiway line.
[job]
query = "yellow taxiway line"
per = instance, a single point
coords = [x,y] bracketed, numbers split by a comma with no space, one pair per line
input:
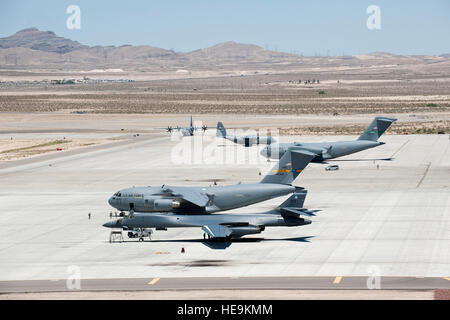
[155,280]
[337,280]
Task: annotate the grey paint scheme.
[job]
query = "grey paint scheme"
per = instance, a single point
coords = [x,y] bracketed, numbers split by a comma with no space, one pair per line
[331,150]
[186,131]
[246,141]
[226,226]
[201,200]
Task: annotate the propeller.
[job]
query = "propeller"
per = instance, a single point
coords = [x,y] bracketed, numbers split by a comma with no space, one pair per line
[169,129]
[178,128]
[204,128]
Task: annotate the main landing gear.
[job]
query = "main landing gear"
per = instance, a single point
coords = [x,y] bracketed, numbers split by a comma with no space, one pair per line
[216,239]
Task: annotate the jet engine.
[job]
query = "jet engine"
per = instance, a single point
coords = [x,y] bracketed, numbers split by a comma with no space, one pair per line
[165,204]
[237,232]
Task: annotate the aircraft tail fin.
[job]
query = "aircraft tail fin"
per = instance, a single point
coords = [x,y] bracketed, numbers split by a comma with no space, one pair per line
[191,122]
[289,167]
[378,126]
[296,200]
[221,131]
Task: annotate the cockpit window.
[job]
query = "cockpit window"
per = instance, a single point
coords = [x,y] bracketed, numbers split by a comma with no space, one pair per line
[117,194]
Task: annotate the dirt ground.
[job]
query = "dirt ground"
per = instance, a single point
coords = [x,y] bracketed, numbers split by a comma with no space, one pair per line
[13,149]
[331,91]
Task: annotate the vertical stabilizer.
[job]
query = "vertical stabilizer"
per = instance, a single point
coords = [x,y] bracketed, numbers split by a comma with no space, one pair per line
[296,200]
[289,167]
[221,131]
[378,126]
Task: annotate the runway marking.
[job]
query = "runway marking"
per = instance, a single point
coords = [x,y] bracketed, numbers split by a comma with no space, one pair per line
[424,174]
[337,280]
[399,148]
[447,279]
[155,280]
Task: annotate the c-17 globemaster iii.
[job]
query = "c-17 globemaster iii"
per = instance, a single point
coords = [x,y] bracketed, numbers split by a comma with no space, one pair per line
[223,226]
[330,150]
[204,200]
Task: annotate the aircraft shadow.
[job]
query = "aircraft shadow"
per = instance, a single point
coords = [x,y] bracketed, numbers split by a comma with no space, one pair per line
[222,245]
[382,159]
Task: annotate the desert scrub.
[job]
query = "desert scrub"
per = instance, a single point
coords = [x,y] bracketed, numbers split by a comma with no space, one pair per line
[51,143]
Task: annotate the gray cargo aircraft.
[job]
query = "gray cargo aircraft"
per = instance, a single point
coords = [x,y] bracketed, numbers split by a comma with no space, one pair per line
[186,131]
[204,200]
[246,141]
[330,150]
[223,226]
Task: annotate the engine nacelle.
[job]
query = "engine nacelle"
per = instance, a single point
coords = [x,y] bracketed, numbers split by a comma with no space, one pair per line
[237,232]
[165,204]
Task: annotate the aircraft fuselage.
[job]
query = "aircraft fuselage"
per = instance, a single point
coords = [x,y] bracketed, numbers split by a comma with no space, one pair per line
[239,224]
[324,150]
[154,199]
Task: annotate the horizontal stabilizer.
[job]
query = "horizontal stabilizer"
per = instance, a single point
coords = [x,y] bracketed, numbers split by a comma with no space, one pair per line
[295,212]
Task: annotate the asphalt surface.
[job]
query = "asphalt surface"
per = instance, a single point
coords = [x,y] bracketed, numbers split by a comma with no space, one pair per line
[236,283]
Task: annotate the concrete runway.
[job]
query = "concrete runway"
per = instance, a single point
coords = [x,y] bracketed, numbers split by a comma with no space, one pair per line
[215,283]
[393,221]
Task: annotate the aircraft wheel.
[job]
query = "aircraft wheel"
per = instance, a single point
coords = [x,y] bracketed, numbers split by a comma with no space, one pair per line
[141,239]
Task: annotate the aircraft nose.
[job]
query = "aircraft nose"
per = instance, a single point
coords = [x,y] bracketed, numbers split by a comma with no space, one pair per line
[111,201]
[109,224]
[113,224]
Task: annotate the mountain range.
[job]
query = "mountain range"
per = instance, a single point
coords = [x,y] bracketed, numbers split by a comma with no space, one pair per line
[35,49]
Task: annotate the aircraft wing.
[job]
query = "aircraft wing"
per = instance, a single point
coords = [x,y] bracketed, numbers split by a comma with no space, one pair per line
[217,230]
[193,196]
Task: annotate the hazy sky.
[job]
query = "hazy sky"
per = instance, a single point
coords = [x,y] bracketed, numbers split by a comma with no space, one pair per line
[307,27]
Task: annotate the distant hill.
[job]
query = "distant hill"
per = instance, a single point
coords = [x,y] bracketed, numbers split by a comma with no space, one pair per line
[233,50]
[44,50]
[35,39]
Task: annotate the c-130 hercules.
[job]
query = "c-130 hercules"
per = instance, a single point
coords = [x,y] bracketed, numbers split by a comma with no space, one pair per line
[205,200]
[330,150]
[246,141]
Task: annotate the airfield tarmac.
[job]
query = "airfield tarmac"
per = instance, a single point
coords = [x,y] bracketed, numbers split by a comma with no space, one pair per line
[392,220]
